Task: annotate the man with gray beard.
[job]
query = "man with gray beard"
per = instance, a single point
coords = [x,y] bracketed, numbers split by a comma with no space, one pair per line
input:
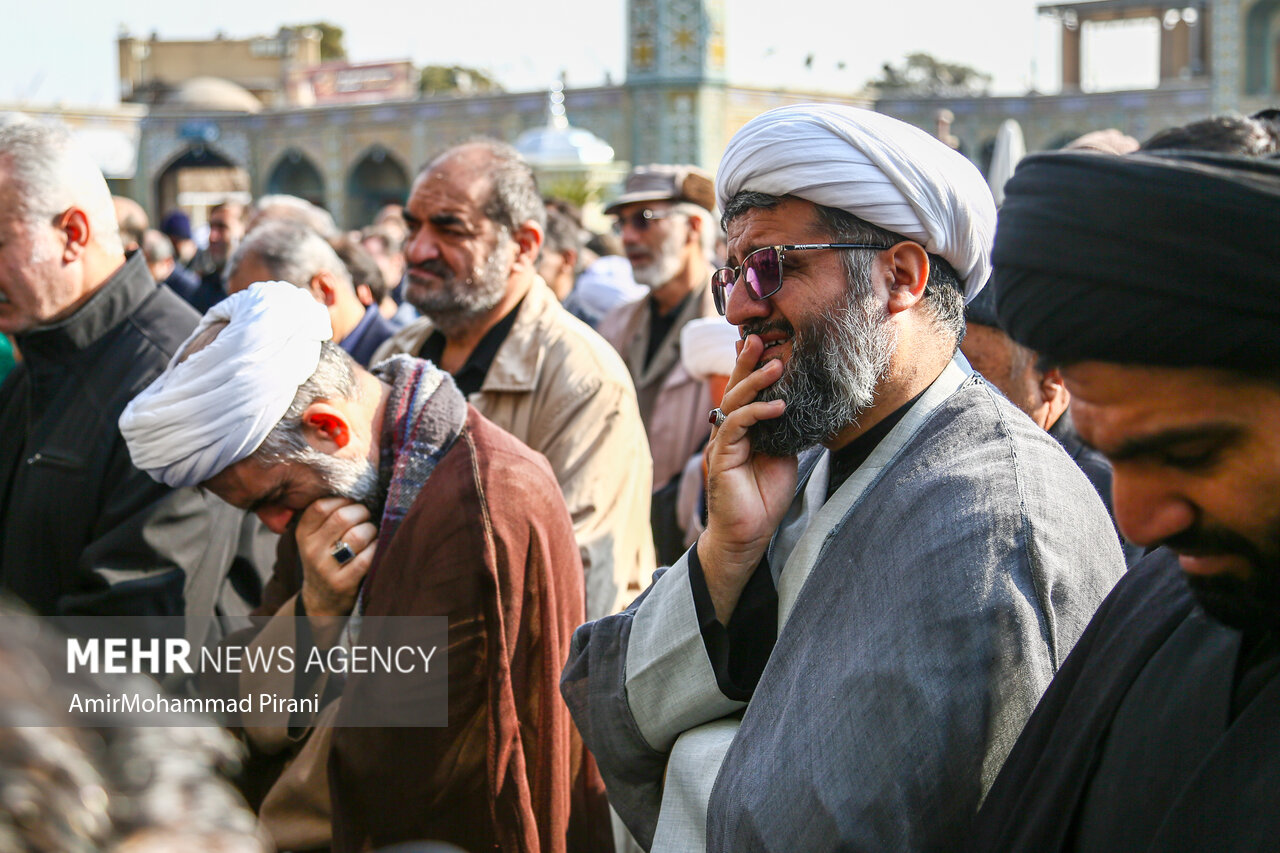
[896,561]
[396,502]
[665,222]
[476,221]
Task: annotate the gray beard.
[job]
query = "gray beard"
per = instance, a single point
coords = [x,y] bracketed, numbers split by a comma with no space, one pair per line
[836,366]
[657,272]
[458,304]
[664,266]
[353,479]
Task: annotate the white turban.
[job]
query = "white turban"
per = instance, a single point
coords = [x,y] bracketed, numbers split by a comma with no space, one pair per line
[878,168]
[214,409]
[707,347]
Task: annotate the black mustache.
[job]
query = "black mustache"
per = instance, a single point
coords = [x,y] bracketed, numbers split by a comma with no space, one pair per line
[763,327]
[434,267]
[1210,541]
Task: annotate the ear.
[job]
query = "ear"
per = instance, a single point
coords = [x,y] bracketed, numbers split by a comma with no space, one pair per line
[1052,388]
[322,288]
[325,427]
[74,223]
[528,239]
[908,266]
[695,230]
[364,294]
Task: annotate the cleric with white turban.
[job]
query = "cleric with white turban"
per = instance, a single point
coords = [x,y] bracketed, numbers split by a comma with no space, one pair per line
[214,408]
[882,170]
[892,562]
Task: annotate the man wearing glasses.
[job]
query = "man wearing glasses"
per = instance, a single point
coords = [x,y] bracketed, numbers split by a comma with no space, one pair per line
[665,222]
[896,560]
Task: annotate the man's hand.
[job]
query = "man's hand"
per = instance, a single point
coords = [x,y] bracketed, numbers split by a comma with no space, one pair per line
[747,493]
[328,588]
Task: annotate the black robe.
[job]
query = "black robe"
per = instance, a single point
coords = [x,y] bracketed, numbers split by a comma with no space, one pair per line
[1044,798]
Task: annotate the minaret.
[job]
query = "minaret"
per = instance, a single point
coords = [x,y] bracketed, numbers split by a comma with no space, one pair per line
[676,76]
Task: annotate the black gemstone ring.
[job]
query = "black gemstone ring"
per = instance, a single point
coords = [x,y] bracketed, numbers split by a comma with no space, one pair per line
[342,553]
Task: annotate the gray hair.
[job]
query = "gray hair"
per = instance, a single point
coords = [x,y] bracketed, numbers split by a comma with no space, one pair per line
[334,379]
[563,234]
[1253,136]
[50,174]
[289,207]
[943,294]
[291,252]
[155,246]
[513,196]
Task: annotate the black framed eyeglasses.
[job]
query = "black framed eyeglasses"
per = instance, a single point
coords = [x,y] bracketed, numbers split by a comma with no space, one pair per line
[640,219]
[762,270]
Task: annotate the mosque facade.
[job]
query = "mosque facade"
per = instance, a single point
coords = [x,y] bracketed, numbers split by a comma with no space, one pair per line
[206,139]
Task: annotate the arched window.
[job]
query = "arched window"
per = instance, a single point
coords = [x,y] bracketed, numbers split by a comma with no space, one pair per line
[1262,48]
[197,179]
[376,180]
[296,175]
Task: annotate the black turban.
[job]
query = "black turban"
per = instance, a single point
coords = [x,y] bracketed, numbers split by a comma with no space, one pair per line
[981,309]
[1168,260]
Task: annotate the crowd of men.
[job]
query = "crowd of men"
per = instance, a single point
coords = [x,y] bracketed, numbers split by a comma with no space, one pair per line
[821,506]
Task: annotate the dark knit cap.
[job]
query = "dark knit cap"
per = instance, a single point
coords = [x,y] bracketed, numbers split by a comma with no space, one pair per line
[176,226]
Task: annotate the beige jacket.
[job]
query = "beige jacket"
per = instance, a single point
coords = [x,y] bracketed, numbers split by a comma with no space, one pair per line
[558,387]
[674,404]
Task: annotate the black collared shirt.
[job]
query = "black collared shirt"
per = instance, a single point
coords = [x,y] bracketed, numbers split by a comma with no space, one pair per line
[470,377]
[849,458]
[660,325]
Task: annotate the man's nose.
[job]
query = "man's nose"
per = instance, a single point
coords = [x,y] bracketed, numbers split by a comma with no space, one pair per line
[741,307]
[1148,509]
[276,518]
[631,234]
[421,247]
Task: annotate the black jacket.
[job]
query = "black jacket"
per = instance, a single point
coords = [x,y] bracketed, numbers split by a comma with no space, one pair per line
[1227,804]
[82,531]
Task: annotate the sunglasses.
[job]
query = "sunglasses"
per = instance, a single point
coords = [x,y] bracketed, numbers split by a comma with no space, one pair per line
[762,270]
[640,219]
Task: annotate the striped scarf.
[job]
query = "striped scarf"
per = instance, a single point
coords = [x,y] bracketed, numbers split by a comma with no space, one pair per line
[425,414]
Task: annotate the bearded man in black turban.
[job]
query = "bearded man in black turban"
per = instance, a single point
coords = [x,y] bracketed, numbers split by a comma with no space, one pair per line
[1153,281]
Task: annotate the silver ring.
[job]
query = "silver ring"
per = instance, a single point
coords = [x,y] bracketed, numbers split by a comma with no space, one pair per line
[342,553]
[716,417]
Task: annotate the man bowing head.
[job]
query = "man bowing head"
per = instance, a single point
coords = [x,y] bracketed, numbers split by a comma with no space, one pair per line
[1163,730]
[383,485]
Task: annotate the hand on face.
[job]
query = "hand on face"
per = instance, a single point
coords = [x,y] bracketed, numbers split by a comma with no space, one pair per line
[329,588]
[747,492]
